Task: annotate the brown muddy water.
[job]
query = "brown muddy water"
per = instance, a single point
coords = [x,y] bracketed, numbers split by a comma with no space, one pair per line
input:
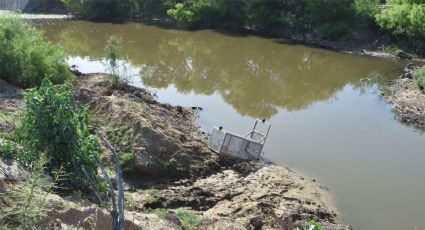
[328,121]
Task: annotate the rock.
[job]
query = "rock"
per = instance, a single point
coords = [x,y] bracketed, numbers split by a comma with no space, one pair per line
[10,171]
[403,55]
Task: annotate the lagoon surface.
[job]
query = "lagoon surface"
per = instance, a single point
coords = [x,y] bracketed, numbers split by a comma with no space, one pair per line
[328,121]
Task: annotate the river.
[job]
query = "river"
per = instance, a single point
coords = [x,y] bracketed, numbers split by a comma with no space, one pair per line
[328,121]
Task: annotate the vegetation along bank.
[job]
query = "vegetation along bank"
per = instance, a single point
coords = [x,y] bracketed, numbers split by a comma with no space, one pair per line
[77,148]
[373,27]
[407,95]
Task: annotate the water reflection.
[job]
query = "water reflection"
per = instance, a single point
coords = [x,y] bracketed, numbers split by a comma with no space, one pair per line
[255,76]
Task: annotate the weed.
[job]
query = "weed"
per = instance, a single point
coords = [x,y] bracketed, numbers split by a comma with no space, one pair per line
[29,200]
[188,220]
[169,165]
[152,196]
[8,149]
[129,203]
[312,225]
[116,62]
[420,77]
[160,212]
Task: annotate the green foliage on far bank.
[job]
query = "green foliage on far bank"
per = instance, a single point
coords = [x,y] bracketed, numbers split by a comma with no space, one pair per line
[26,58]
[327,18]
[103,10]
[403,17]
[324,19]
[51,124]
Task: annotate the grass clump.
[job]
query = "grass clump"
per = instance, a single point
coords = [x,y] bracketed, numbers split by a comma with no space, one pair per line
[312,225]
[188,220]
[420,77]
[8,149]
[160,212]
[26,58]
[129,203]
[152,196]
[52,124]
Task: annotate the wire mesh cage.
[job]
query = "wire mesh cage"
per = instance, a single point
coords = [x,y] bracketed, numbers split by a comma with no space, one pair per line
[248,147]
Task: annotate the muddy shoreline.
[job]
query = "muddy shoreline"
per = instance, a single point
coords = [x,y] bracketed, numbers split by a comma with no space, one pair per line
[173,169]
[407,99]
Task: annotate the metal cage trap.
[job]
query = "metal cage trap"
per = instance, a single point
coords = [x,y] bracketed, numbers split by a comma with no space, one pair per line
[249,146]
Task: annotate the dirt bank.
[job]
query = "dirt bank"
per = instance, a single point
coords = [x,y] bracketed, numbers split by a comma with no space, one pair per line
[169,168]
[407,99]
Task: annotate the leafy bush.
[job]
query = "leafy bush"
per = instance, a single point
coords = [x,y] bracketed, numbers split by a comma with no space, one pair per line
[26,58]
[103,10]
[263,15]
[367,8]
[420,77]
[182,14]
[403,17]
[52,124]
[207,13]
[188,220]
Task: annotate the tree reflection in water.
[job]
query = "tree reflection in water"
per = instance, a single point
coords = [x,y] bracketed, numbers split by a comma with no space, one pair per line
[254,75]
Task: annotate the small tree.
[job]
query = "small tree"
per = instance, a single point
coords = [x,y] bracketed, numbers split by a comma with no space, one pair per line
[120,72]
[52,124]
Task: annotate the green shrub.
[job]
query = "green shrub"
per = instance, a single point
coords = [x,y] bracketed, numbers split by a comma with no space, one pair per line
[420,77]
[188,220]
[181,14]
[403,17]
[26,58]
[52,124]
[367,8]
[127,160]
[103,10]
